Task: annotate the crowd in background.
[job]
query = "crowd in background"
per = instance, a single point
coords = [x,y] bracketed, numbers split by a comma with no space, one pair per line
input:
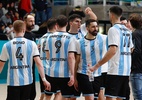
[11,11]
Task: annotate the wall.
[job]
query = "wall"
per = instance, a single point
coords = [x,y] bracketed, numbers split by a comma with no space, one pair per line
[100,10]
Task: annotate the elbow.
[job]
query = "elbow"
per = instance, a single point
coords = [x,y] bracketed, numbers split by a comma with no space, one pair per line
[113,52]
[71,57]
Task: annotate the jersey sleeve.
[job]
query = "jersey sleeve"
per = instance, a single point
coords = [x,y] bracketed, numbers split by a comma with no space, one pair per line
[113,37]
[46,44]
[78,47]
[4,54]
[72,47]
[35,50]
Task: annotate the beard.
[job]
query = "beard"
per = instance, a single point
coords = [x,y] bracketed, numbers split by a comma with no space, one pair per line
[94,33]
[30,27]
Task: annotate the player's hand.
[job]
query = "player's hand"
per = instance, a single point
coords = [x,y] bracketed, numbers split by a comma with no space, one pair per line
[76,85]
[71,81]
[38,46]
[92,69]
[47,85]
[88,10]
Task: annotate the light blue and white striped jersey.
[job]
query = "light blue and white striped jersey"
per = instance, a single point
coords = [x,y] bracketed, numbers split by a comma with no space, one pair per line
[104,67]
[120,63]
[90,51]
[77,35]
[20,52]
[42,43]
[59,45]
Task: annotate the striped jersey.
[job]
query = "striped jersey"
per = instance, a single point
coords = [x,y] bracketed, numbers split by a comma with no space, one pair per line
[42,43]
[59,45]
[90,51]
[77,35]
[83,31]
[104,67]
[120,63]
[20,52]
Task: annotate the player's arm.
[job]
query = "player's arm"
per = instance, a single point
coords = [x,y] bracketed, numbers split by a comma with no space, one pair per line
[92,15]
[113,42]
[1,65]
[41,71]
[71,62]
[40,67]
[77,57]
[109,54]
[77,60]
[3,57]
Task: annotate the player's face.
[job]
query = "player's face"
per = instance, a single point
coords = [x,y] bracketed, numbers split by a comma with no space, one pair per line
[124,22]
[30,23]
[76,23]
[93,28]
[129,26]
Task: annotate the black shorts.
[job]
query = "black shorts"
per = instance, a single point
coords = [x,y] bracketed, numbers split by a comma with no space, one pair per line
[19,92]
[116,86]
[60,84]
[89,88]
[103,80]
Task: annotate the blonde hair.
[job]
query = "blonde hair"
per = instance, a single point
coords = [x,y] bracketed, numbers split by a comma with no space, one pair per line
[18,26]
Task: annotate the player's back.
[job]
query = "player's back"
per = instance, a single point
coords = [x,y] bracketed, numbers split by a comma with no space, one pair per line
[20,52]
[42,44]
[59,45]
[120,63]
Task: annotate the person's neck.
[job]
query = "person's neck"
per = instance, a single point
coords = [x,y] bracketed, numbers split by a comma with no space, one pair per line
[90,36]
[63,29]
[73,31]
[19,35]
[115,22]
[28,30]
[52,31]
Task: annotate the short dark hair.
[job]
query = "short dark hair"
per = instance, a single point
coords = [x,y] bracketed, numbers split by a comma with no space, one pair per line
[116,10]
[51,23]
[87,22]
[72,17]
[122,18]
[135,20]
[62,20]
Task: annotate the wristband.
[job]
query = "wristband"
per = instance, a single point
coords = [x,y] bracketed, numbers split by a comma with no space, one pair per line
[44,79]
